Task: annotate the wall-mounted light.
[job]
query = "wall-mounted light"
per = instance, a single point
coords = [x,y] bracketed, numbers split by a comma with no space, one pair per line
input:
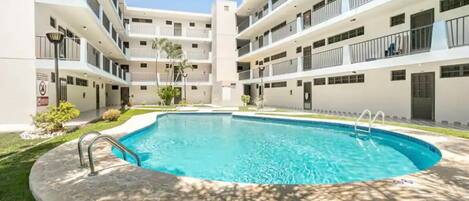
[85,28]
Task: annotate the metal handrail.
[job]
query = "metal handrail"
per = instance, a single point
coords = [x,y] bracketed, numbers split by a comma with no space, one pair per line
[379,113]
[366,111]
[115,143]
[80,147]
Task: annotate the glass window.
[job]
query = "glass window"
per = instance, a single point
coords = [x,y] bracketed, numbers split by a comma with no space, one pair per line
[398,19]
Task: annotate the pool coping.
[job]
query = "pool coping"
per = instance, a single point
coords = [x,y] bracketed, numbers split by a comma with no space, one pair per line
[56,175]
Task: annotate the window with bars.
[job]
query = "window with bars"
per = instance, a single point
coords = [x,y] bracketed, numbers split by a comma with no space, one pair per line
[398,19]
[278,84]
[446,5]
[81,82]
[299,83]
[347,79]
[460,70]
[319,81]
[319,43]
[142,20]
[278,56]
[346,35]
[143,88]
[70,80]
[398,75]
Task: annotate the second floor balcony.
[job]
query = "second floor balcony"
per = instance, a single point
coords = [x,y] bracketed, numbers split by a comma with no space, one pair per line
[168,31]
[145,53]
[163,78]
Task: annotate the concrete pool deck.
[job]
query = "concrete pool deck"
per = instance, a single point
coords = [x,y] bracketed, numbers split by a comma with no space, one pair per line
[57,176]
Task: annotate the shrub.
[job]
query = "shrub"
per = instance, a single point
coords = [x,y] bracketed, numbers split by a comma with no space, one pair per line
[168,93]
[53,119]
[111,115]
[245,99]
[183,103]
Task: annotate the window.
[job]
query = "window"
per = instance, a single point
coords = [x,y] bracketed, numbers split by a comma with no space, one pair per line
[193,87]
[397,75]
[346,35]
[278,56]
[398,19]
[208,26]
[143,65]
[192,24]
[81,82]
[460,70]
[169,22]
[240,68]
[319,43]
[195,66]
[267,59]
[446,5]
[227,8]
[143,88]
[267,85]
[319,5]
[298,49]
[299,83]
[168,66]
[70,80]
[115,87]
[195,45]
[143,43]
[347,79]
[142,20]
[279,84]
[52,22]
[319,81]
[52,77]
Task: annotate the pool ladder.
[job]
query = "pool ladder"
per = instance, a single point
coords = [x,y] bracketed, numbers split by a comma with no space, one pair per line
[370,120]
[108,139]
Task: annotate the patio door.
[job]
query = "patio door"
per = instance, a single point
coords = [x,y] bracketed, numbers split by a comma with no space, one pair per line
[177,29]
[423,96]
[307,58]
[421,30]
[63,89]
[178,98]
[97,97]
[307,89]
[307,19]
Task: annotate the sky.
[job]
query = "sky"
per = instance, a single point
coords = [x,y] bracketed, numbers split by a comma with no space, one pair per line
[202,6]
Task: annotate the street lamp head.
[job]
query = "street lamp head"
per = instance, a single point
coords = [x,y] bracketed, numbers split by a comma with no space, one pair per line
[262,68]
[185,75]
[55,37]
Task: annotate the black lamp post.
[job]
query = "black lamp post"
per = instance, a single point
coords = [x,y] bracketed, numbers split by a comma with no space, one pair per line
[185,91]
[261,74]
[56,38]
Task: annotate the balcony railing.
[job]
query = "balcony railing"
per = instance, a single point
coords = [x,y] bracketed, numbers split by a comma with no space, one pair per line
[69,49]
[243,25]
[277,4]
[244,75]
[262,42]
[328,58]
[143,28]
[244,50]
[151,29]
[398,44]
[114,69]
[197,55]
[285,67]
[94,5]
[93,56]
[106,64]
[257,73]
[197,33]
[285,31]
[357,3]
[327,12]
[458,31]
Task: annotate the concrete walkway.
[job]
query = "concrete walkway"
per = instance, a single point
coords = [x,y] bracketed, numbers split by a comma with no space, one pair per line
[88,116]
[57,176]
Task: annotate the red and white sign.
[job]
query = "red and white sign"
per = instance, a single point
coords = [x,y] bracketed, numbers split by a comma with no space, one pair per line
[42,101]
[42,88]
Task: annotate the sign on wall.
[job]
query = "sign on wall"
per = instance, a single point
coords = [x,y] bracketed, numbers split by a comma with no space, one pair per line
[42,97]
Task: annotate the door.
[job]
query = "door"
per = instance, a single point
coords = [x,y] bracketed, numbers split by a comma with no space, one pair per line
[307,95]
[421,30]
[97,97]
[178,98]
[307,19]
[63,90]
[307,61]
[177,29]
[261,41]
[423,96]
[125,95]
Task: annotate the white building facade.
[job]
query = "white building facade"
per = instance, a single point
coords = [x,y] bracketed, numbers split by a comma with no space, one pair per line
[407,58]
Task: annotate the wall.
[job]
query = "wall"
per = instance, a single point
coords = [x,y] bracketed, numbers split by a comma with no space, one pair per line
[113,97]
[18,77]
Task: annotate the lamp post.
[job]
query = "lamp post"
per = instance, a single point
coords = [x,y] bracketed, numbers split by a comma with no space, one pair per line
[185,91]
[56,38]
[261,73]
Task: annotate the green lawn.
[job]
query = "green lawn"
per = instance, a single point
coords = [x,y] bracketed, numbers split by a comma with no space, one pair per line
[12,143]
[14,171]
[438,130]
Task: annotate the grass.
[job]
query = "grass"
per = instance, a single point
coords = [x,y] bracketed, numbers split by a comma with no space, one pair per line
[12,143]
[14,171]
[433,129]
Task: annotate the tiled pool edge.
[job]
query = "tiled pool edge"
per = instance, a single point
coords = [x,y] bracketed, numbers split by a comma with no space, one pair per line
[140,122]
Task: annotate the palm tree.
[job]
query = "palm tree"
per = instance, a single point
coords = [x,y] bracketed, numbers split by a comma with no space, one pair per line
[158,45]
[174,54]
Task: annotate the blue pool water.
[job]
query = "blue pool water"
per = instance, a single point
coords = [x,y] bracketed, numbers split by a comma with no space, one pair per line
[272,151]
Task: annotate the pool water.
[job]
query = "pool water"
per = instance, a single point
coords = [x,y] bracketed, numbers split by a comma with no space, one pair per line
[241,149]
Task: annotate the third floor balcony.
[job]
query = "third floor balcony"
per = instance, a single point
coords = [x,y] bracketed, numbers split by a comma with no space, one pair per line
[153,30]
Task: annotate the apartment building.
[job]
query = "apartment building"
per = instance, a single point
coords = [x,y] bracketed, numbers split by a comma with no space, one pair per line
[407,58]
[106,58]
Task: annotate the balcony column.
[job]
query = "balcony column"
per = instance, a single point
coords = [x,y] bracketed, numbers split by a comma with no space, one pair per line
[439,36]
[111,68]
[101,12]
[345,5]
[83,50]
[347,59]
[210,34]
[210,78]
[251,73]
[250,46]
[271,70]
[270,37]
[110,30]
[250,20]
[299,24]
[299,65]
[101,60]
[270,7]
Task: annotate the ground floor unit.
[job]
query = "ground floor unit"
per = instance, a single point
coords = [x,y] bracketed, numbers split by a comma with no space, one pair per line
[434,91]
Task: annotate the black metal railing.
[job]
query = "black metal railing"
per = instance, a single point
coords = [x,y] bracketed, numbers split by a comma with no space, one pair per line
[399,44]
[458,31]
[94,5]
[69,49]
[328,58]
[357,3]
[93,56]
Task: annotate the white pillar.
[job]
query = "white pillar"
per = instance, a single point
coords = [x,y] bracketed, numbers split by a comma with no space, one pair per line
[299,24]
[271,70]
[270,6]
[299,67]
[439,36]
[345,5]
[101,13]
[101,60]
[83,50]
[346,55]
[250,20]
[250,46]
[270,37]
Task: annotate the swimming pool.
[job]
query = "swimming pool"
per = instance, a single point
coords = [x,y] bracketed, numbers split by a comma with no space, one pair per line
[244,149]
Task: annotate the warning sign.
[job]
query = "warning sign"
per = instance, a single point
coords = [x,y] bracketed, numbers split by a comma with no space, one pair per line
[42,88]
[42,101]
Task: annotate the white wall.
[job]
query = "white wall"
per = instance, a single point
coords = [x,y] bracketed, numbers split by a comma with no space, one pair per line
[113,96]
[18,77]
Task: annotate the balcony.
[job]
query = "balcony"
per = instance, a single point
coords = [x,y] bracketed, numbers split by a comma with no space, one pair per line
[148,53]
[244,50]
[327,12]
[244,75]
[399,44]
[77,54]
[325,59]
[284,31]
[193,78]
[458,32]
[154,30]
[285,67]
